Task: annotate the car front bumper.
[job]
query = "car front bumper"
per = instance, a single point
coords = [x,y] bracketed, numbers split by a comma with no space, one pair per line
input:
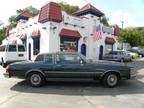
[133,73]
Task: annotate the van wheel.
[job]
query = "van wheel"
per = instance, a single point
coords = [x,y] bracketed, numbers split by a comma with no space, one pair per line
[122,60]
[36,79]
[3,64]
[110,80]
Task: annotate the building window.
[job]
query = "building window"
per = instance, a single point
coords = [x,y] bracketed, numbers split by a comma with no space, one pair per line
[108,48]
[69,44]
[36,46]
[24,42]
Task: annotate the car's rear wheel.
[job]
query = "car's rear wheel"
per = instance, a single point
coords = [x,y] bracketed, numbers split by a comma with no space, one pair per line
[122,60]
[36,79]
[110,80]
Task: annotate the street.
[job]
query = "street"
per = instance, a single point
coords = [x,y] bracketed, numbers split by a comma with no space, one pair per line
[16,93]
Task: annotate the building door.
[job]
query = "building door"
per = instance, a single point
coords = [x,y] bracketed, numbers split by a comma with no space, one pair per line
[29,51]
[101,52]
[83,49]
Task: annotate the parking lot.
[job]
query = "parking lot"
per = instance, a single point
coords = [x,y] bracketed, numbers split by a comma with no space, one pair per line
[15,93]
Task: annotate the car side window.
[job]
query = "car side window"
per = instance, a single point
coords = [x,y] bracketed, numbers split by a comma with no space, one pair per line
[67,59]
[21,48]
[39,58]
[12,48]
[49,59]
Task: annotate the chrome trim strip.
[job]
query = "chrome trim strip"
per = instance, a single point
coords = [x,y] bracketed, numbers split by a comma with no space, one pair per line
[34,70]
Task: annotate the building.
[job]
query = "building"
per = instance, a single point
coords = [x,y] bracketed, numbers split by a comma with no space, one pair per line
[54,30]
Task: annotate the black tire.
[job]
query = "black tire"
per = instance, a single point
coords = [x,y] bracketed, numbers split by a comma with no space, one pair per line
[3,64]
[36,79]
[122,60]
[110,80]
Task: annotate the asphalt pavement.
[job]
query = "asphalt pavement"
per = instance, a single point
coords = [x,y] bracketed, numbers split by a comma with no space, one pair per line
[16,93]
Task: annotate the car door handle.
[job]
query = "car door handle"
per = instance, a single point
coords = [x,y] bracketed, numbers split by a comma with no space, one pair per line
[20,55]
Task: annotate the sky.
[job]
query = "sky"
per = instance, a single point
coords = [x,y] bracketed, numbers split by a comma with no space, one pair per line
[128,11]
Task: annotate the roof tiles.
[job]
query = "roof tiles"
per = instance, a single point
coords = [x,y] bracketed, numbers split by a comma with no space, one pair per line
[50,12]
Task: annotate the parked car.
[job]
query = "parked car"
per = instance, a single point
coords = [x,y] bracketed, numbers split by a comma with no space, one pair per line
[11,53]
[133,54]
[120,56]
[137,50]
[68,65]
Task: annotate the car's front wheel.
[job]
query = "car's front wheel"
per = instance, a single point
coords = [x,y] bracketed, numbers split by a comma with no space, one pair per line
[36,79]
[110,80]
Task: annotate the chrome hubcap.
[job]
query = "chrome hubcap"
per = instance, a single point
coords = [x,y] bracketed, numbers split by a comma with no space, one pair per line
[112,80]
[35,79]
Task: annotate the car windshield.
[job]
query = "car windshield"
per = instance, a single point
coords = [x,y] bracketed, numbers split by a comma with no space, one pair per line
[39,58]
[113,53]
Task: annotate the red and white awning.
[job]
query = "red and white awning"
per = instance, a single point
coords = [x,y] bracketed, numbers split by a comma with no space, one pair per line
[110,40]
[70,33]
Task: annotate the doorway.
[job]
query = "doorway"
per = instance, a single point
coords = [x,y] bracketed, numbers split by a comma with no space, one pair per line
[101,52]
[83,49]
[29,51]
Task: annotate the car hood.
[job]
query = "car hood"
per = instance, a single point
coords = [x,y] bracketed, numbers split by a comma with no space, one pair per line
[22,62]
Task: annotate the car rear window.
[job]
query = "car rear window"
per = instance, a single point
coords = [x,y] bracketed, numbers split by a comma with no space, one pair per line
[21,48]
[39,58]
[48,58]
[67,59]
[2,48]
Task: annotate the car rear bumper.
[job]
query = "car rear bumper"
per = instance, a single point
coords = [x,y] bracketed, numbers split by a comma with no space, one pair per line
[6,75]
[111,59]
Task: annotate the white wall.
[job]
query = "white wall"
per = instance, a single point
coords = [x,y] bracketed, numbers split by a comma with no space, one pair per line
[50,39]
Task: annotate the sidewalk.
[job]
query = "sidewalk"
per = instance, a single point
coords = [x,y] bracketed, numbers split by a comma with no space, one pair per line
[1,72]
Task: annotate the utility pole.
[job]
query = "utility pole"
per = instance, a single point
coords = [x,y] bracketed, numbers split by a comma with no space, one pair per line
[122,22]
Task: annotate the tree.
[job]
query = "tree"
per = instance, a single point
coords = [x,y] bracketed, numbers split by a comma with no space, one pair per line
[104,20]
[12,21]
[2,33]
[30,9]
[68,8]
[134,36]
[33,11]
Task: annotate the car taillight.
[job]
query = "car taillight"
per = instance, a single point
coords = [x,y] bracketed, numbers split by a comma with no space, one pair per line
[7,69]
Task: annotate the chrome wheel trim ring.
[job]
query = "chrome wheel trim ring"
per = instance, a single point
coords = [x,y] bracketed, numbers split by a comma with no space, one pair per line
[112,80]
[35,79]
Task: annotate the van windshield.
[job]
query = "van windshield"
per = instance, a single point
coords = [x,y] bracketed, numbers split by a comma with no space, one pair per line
[2,48]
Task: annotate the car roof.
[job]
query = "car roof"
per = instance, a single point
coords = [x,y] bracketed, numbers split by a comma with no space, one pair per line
[59,53]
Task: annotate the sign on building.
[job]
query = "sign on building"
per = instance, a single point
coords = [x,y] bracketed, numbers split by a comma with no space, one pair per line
[107,30]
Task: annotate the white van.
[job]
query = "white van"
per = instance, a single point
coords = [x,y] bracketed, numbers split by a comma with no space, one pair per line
[12,53]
